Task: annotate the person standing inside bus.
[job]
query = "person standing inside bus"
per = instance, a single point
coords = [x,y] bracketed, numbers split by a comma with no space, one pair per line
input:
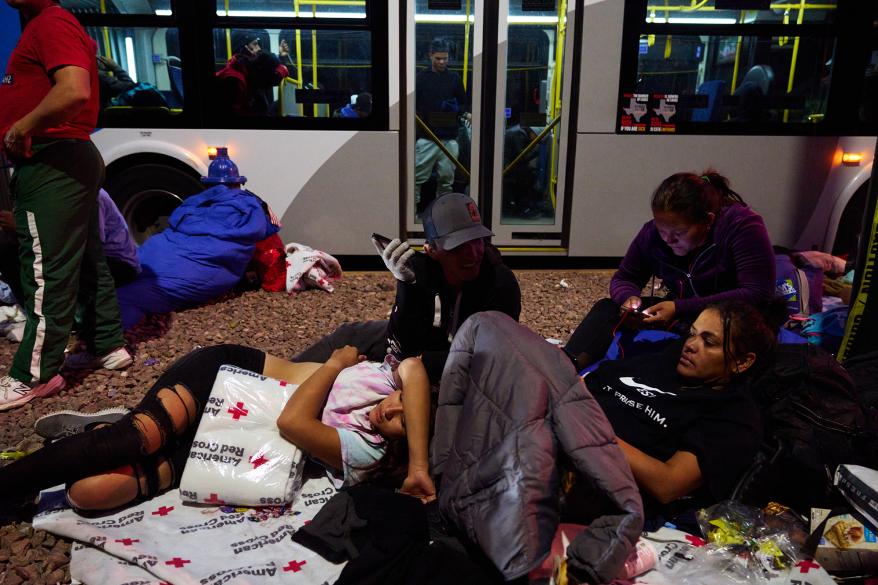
[48,107]
[704,243]
[439,99]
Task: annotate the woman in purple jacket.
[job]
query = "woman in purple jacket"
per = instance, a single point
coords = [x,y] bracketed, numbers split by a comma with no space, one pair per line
[705,245]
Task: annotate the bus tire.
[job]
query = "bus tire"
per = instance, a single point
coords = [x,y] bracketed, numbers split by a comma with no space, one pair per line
[147,194]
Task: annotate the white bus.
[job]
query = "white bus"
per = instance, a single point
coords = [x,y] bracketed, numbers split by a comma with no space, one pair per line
[579,108]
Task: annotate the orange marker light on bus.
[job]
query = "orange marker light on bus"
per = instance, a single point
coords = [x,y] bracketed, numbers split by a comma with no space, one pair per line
[211,152]
[851,159]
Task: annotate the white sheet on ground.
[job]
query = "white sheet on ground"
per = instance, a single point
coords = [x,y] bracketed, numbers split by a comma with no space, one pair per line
[166,540]
[238,456]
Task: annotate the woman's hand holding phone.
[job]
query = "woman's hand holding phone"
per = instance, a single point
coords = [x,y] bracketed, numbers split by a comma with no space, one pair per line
[662,312]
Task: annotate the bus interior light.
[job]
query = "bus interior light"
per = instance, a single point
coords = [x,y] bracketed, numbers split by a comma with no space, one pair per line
[129,58]
[288,14]
[211,152]
[690,20]
[851,159]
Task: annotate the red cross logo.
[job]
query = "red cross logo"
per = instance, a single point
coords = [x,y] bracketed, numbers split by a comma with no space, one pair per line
[163,511]
[807,565]
[694,540]
[214,499]
[128,541]
[257,460]
[295,566]
[238,411]
[177,562]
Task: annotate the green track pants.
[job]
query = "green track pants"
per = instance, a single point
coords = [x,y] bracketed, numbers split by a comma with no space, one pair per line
[62,260]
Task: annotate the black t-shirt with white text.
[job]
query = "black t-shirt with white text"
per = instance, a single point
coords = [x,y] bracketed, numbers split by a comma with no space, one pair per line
[651,409]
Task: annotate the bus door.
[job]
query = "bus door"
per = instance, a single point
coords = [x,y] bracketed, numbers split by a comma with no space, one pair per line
[504,142]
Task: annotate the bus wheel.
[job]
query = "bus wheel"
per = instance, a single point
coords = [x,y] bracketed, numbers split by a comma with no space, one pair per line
[147,194]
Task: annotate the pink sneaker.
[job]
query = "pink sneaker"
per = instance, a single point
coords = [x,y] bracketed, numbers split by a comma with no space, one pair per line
[15,393]
[117,359]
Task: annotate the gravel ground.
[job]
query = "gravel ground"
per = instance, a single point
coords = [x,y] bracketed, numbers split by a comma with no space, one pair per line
[553,303]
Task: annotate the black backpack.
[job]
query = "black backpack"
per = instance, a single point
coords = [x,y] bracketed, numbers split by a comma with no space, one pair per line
[814,420]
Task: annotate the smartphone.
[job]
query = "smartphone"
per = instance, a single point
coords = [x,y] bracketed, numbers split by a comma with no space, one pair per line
[636,314]
[380,241]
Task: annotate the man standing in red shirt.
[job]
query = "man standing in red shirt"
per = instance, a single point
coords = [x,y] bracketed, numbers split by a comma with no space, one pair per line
[48,107]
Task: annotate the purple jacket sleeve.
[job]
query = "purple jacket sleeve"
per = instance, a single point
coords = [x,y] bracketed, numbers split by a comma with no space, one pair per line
[752,256]
[635,269]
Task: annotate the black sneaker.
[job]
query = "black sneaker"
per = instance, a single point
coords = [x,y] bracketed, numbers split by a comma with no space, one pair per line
[64,423]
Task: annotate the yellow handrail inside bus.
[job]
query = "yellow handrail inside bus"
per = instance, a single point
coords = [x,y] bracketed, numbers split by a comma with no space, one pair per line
[737,55]
[555,98]
[228,33]
[466,25]
[314,84]
[296,4]
[799,20]
[779,6]
[106,32]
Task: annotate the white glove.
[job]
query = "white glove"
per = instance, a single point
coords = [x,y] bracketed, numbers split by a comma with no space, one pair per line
[396,256]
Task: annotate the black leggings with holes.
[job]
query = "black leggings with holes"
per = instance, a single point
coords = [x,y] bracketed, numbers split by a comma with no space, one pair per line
[122,443]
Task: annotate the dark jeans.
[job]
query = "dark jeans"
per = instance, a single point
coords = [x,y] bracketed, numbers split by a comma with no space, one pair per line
[121,443]
[595,332]
[369,337]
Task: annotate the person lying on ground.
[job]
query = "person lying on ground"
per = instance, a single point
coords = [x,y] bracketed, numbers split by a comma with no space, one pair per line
[366,430]
[682,416]
[704,243]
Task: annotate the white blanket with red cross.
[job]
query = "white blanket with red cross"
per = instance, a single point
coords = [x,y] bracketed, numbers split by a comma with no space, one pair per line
[167,541]
[238,456]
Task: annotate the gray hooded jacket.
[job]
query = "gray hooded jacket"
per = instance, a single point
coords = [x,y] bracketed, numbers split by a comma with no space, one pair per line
[508,404]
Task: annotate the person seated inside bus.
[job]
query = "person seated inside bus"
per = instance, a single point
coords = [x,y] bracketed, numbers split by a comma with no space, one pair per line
[751,97]
[683,418]
[244,85]
[360,107]
[704,244]
[363,420]
[112,80]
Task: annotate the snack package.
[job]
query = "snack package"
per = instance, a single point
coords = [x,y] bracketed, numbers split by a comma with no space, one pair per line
[847,544]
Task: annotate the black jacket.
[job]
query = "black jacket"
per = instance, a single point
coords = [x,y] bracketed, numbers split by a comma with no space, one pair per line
[423,320]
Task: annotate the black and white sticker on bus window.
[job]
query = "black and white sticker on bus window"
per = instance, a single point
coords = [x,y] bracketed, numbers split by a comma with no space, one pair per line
[634,112]
[663,112]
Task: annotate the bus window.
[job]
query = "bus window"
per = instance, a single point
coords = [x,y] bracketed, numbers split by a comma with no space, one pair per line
[738,79]
[136,71]
[299,9]
[688,12]
[155,7]
[291,73]
[533,103]
[697,67]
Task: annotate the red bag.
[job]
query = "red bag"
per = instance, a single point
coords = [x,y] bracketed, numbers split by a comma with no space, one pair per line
[270,263]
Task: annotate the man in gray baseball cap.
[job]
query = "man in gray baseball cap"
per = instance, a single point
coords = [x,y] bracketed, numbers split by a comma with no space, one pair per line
[458,274]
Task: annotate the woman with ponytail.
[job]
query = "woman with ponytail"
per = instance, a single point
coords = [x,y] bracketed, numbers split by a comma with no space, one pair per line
[704,243]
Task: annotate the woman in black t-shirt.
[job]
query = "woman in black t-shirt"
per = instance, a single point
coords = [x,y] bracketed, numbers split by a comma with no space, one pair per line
[680,416]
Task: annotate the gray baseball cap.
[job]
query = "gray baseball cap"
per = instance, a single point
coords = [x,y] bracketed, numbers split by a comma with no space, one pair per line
[453,219]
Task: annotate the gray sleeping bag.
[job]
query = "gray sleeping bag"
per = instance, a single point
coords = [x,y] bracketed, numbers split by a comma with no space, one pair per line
[509,403]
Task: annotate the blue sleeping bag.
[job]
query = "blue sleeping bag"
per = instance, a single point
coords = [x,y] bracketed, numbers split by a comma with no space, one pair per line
[203,253]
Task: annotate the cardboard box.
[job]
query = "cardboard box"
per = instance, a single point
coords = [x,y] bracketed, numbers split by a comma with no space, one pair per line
[846,545]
